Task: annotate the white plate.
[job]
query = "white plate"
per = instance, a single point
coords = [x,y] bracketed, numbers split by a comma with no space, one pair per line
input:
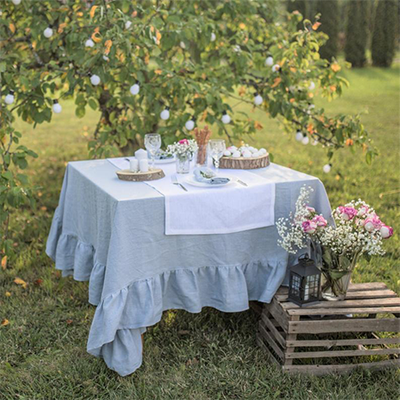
[191,180]
[165,161]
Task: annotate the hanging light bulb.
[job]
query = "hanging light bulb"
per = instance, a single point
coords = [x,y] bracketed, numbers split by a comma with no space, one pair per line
[105,58]
[305,140]
[190,124]
[48,32]
[89,43]
[95,79]
[299,136]
[135,88]
[269,61]
[226,119]
[165,114]
[258,100]
[213,36]
[276,68]
[315,142]
[16,2]
[128,24]
[9,99]
[183,45]
[56,107]
[311,86]
[327,168]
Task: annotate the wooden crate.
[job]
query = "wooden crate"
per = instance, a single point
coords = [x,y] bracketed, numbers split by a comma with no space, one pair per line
[295,338]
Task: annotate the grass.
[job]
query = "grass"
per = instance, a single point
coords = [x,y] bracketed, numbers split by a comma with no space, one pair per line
[210,355]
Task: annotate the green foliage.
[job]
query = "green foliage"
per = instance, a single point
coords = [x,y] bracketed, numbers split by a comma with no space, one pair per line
[385,33]
[168,49]
[330,13]
[357,32]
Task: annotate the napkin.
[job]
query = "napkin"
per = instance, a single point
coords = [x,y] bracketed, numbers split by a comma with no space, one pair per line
[207,175]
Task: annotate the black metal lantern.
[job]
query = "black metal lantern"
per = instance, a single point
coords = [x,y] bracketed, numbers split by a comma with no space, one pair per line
[304,283]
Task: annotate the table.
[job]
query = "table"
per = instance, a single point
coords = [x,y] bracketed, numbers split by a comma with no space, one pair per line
[111,233]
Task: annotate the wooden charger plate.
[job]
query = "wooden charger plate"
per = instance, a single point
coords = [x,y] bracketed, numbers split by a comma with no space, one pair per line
[152,175]
[244,163]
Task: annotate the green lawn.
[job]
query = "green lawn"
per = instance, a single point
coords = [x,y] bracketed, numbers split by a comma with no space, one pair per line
[211,355]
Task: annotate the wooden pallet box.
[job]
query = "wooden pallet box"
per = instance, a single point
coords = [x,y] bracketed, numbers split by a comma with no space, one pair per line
[328,336]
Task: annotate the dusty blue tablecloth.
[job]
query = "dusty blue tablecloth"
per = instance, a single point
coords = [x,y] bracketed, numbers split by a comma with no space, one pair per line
[111,233]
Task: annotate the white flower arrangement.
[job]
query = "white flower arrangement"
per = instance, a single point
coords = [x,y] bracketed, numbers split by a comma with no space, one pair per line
[184,148]
[358,231]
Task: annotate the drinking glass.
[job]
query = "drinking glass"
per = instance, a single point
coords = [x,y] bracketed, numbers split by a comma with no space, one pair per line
[217,148]
[152,142]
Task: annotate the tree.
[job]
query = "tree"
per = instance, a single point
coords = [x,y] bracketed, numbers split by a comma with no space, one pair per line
[356,32]
[384,35]
[330,13]
[130,60]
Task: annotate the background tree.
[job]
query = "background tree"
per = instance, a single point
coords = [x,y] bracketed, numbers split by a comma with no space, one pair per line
[330,14]
[130,60]
[385,33]
[356,32]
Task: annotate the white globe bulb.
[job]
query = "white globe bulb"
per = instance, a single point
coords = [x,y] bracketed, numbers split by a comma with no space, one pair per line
[89,43]
[128,24]
[213,37]
[315,142]
[9,99]
[327,168]
[164,114]
[226,119]
[258,100]
[16,2]
[299,136]
[189,125]
[95,80]
[57,108]
[135,89]
[276,67]
[269,61]
[237,48]
[48,33]
[105,58]
[311,86]
[183,45]
[305,140]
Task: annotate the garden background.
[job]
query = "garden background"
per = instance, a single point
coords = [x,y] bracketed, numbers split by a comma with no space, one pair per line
[211,355]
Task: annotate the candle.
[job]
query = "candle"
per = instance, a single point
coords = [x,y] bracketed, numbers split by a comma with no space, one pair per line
[144,165]
[134,165]
[141,154]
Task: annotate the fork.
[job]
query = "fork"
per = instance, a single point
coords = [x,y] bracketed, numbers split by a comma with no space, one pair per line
[174,180]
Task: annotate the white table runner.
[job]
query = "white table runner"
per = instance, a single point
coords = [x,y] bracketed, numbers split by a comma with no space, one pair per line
[214,210]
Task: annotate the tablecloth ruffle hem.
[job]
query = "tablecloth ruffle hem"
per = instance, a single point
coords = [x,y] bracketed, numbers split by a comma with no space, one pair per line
[122,317]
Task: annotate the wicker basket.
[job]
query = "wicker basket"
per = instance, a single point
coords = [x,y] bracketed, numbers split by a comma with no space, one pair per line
[244,163]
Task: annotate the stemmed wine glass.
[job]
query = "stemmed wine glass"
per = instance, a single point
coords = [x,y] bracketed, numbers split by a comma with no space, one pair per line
[217,148]
[152,142]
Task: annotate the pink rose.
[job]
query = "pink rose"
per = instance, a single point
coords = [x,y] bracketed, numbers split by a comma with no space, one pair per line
[347,213]
[183,141]
[320,221]
[362,211]
[372,222]
[386,231]
[309,227]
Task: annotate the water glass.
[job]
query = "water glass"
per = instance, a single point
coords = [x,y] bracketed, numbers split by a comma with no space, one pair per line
[152,142]
[217,148]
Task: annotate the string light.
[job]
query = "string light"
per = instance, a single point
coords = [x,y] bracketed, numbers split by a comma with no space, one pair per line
[305,140]
[276,68]
[299,136]
[315,142]
[269,61]
[95,79]
[56,107]
[258,100]
[311,86]
[9,99]
[190,124]
[226,119]
[213,36]
[327,168]
[16,2]
[89,43]
[183,45]
[165,114]
[128,24]
[135,88]
[48,32]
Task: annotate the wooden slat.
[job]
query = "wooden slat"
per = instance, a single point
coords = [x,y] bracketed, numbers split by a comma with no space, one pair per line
[261,343]
[391,302]
[367,286]
[347,325]
[338,311]
[277,312]
[327,369]
[256,306]
[341,342]
[270,341]
[343,353]
[275,333]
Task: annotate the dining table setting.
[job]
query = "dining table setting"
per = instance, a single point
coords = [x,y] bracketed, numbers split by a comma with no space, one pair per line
[187,227]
